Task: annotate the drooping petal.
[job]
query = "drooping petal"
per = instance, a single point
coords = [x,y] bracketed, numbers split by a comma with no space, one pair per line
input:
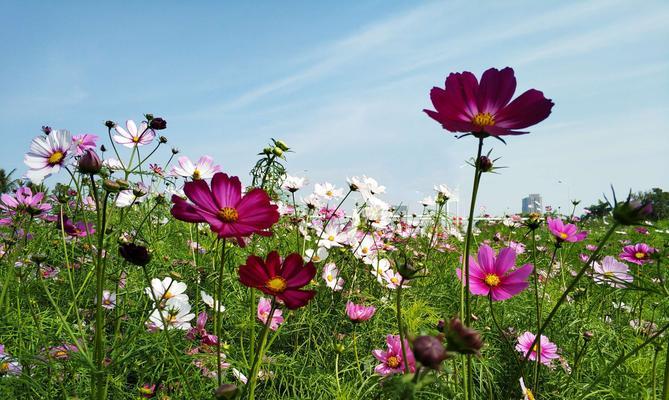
[526,110]
[296,298]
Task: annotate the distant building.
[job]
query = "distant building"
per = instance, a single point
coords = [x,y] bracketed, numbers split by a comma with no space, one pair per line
[533,203]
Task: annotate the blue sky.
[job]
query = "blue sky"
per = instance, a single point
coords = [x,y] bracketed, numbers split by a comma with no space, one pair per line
[344,86]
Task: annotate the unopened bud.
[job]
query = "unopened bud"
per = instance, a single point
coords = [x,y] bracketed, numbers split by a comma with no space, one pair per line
[462,339]
[89,163]
[429,351]
[111,186]
[226,391]
[485,164]
[123,184]
[162,139]
[110,124]
[281,144]
[158,124]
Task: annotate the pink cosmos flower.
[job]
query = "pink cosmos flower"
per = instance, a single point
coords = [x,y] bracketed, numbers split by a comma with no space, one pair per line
[264,307]
[565,233]
[392,361]
[223,207]
[637,254]
[23,201]
[83,142]
[548,348]
[611,272]
[490,275]
[203,169]
[200,331]
[62,352]
[133,137]
[465,105]
[76,229]
[359,312]
[47,155]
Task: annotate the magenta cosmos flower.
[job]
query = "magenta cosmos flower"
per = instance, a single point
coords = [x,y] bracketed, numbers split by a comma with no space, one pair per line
[282,280]
[465,105]
[83,142]
[548,349]
[359,312]
[565,233]
[491,276]
[223,207]
[637,254]
[391,360]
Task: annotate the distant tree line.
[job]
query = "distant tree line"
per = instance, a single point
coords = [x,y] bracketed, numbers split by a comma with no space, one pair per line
[656,196]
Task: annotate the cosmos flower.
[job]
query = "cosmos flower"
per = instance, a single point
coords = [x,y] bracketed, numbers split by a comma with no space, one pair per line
[76,229]
[176,314]
[565,233]
[367,186]
[8,366]
[167,289]
[210,302]
[108,299]
[392,361]
[264,308]
[62,352]
[23,201]
[316,256]
[611,272]
[637,254]
[548,349]
[327,191]
[133,137]
[490,274]
[332,278]
[293,183]
[331,237]
[359,312]
[48,154]
[281,279]
[203,169]
[484,108]
[222,206]
[83,142]
[199,330]
[428,202]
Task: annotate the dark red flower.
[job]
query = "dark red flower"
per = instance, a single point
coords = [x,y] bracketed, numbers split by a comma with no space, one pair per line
[280,279]
[465,105]
[223,207]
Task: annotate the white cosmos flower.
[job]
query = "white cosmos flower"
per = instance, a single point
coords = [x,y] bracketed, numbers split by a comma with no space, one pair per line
[331,237]
[379,267]
[127,197]
[366,248]
[313,201]
[48,154]
[209,301]
[444,191]
[176,314]
[327,191]
[131,136]
[167,289]
[112,164]
[368,187]
[611,272]
[331,277]
[293,183]
[428,201]
[392,279]
[320,255]
[377,212]
[203,169]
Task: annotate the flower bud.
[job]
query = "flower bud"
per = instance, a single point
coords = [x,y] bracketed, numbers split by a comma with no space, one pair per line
[149,117]
[632,212]
[89,163]
[461,339]
[158,124]
[175,151]
[485,164]
[339,348]
[267,150]
[587,335]
[429,351]
[277,152]
[46,129]
[139,190]
[110,124]
[135,254]
[103,148]
[226,391]
[533,221]
[123,184]
[281,144]
[162,139]
[38,258]
[111,186]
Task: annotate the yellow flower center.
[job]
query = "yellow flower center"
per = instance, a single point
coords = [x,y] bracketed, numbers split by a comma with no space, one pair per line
[535,348]
[276,285]
[316,258]
[196,174]
[56,157]
[483,119]
[171,318]
[168,295]
[329,193]
[492,280]
[4,367]
[563,235]
[330,278]
[60,353]
[331,238]
[529,394]
[640,255]
[393,362]
[608,273]
[365,250]
[106,302]
[135,139]
[228,214]
[394,280]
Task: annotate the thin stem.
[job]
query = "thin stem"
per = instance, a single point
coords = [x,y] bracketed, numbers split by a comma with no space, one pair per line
[217,306]
[260,350]
[501,332]
[535,387]
[665,387]
[398,306]
[100,385]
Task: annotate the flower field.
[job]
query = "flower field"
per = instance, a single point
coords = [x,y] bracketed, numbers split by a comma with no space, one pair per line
[125,276]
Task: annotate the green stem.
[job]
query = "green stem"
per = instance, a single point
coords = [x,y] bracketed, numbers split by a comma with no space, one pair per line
[100,384]
[257,360]
[665,387]
[398,305]
[535,387]
[217,306]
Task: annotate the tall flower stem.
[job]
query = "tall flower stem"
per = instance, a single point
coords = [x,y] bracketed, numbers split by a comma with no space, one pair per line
[100,386]
[501,331]
[327,221]
[355,351]
[217,306]
[571,287]
[437,219]
[665,387]
[465,311]
[538,308]
[400,325]
[260,351]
